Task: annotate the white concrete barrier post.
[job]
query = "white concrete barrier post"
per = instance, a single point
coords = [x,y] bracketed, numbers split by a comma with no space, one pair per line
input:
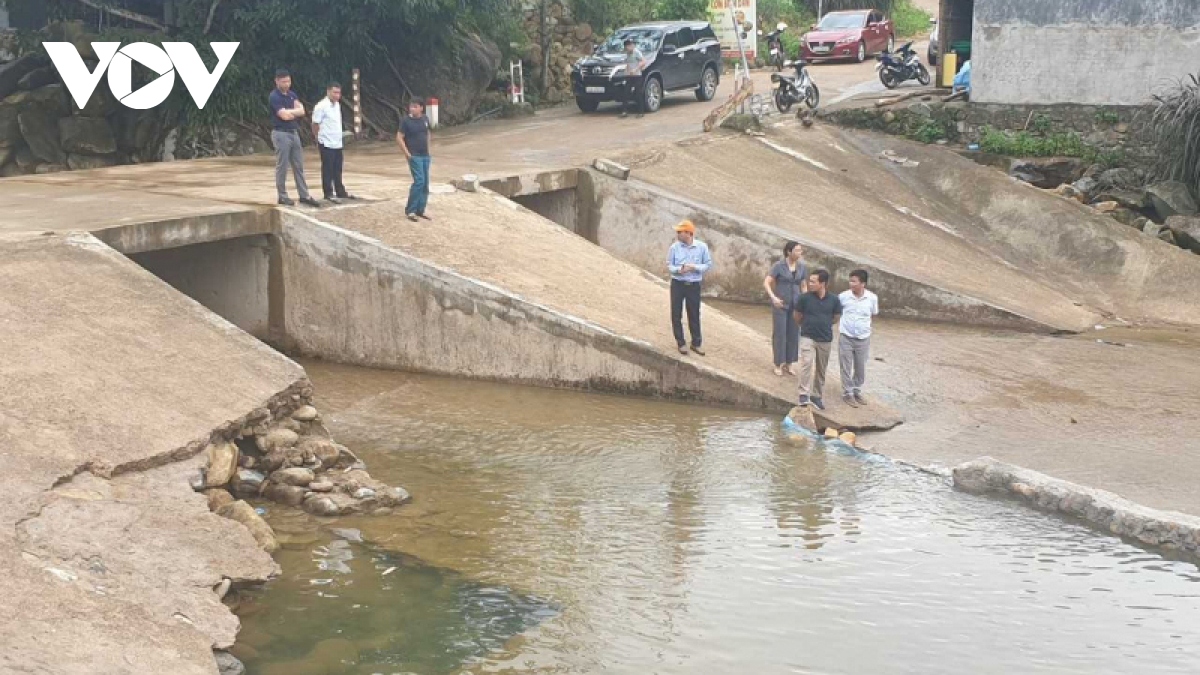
[433,112]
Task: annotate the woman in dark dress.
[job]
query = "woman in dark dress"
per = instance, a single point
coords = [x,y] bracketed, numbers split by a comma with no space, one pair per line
[786,282]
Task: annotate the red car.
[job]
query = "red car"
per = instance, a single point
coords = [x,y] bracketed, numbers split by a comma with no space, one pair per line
[848,35]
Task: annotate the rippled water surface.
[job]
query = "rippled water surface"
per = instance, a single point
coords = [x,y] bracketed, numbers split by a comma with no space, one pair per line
[561,533]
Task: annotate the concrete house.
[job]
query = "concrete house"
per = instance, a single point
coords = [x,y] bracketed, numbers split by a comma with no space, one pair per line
[1093,52]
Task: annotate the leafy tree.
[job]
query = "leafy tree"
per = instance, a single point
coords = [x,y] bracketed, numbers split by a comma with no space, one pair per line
[319,40]
[680,9]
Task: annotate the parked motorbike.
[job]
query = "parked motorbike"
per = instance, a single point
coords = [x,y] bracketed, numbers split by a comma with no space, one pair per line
[900,66]
[775,46]
[792,89]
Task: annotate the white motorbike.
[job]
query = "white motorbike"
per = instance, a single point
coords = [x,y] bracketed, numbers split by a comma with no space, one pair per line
[789,90]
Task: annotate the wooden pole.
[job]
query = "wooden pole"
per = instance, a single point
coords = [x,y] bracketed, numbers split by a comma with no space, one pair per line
[727,108]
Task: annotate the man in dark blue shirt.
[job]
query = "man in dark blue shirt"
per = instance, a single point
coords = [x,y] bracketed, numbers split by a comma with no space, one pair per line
[817,313]
[414,139]
[286,111]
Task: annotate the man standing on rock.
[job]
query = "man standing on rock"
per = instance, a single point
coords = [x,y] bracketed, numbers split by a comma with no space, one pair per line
[817,313]
[854,339]
[635,64]
[415,139]
[286,110]
[327,127]
[688,261]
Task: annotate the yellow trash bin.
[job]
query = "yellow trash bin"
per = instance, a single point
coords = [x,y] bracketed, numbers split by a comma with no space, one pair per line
[949,68]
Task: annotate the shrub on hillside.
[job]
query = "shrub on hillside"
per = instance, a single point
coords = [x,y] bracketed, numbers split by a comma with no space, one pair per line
[1175,128]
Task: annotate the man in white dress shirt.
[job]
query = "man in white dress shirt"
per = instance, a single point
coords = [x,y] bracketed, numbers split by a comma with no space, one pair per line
[327,127]
[854,339]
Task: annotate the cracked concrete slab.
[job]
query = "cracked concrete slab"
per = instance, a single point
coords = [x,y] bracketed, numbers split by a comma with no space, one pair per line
[113,382]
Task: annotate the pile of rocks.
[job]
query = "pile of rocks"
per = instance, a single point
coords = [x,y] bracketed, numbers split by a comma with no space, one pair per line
[43,131]
[1165,210]
[569,41]
[287,456]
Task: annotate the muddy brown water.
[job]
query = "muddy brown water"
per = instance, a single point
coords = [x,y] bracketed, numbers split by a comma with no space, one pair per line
[558,532]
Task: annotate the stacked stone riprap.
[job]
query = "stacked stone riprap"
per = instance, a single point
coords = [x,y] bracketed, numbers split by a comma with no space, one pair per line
[1170,530]
[285,454]
[569,40]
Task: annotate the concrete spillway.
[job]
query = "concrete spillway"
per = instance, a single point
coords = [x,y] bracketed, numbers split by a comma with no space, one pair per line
[119,366]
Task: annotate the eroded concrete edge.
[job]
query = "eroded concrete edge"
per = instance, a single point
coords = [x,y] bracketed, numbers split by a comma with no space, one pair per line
[1105,510]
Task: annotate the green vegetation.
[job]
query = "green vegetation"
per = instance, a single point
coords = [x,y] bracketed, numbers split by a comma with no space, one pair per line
[606,15]
[910,20]
[1175,127]
[319,40]
[931,131]
[939,125]
[1027,144]
[1107,116]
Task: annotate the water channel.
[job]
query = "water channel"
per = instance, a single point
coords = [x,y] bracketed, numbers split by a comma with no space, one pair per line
[557,532]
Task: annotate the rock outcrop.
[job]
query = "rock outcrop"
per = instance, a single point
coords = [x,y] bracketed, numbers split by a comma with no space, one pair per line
[1172,198]
[42,131]
[1186,231]
[458,82]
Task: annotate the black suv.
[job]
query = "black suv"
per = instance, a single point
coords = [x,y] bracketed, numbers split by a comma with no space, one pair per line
[682,55]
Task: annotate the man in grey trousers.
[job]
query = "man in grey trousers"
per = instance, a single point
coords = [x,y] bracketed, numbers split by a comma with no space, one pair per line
[854,338]
[286,111]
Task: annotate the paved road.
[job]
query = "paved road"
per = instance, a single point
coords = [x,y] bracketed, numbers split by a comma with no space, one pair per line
[565,136]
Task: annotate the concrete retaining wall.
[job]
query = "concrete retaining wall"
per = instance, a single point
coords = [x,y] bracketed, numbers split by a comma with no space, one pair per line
[560,206]
[1172,531]
[229,277]
[352,300]
[162,234]
[1100,52]
[633,221]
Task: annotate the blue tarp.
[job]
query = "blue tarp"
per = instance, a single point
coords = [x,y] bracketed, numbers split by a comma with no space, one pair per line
[963,79]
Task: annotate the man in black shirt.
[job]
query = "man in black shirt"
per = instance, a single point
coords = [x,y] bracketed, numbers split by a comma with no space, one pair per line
[817,313]
[286,110]
[414,139]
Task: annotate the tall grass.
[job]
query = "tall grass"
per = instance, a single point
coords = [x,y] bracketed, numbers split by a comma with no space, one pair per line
[909,20]
[1174,125]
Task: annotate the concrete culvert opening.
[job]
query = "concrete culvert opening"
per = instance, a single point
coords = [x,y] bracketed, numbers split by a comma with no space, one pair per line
[561,197]
[230,277]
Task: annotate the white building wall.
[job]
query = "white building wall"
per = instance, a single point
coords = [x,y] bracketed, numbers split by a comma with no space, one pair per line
[1097,52]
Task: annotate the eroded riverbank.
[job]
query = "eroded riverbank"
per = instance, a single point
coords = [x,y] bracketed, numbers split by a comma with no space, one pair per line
[600,533]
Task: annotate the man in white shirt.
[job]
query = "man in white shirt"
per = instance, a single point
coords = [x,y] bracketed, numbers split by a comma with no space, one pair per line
[327,127]
[854,339]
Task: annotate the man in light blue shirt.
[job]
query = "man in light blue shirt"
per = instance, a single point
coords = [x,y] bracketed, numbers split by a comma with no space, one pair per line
[688,260]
